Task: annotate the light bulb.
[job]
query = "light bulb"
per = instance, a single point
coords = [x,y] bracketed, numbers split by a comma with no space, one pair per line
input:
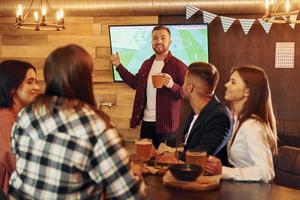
[44,11]
[267,3]
[36,16]
[19,10]
[287,5]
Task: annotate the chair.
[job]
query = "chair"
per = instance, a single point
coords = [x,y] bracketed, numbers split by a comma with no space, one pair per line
[288,139]
[287,167]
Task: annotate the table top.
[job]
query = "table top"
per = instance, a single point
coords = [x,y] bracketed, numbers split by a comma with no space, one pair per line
[228,190]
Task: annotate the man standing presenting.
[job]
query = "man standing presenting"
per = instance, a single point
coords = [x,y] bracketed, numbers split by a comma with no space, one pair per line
[157,108]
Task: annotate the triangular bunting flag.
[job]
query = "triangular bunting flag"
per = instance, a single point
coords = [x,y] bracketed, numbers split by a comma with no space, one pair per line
[226,22]
[208,17]
[293,18]
[265,25]
[190,10]
[246,24]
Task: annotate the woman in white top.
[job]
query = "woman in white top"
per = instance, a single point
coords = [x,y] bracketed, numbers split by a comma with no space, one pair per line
[254,138]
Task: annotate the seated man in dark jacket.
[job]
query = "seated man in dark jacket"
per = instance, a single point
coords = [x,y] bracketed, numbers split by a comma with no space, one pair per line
[208,127]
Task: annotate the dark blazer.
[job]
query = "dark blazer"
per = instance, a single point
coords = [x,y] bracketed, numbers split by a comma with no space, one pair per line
[168,101]
[211,130]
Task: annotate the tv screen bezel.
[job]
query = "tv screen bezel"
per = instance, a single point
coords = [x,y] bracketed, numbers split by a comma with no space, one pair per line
[121,25]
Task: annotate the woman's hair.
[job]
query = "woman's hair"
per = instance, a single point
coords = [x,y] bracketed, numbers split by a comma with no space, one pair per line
[68,77]
[259,102]
[68,74]
[12,74]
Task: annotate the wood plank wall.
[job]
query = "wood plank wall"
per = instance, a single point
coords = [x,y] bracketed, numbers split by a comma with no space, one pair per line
[92,34]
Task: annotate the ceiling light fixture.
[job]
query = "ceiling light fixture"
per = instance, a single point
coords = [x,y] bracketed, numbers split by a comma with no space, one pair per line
[38,23]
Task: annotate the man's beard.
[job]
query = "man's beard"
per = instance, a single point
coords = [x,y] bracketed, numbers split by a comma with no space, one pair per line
[161,51]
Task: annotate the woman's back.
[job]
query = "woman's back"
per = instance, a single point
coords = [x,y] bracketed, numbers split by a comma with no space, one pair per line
[66,153]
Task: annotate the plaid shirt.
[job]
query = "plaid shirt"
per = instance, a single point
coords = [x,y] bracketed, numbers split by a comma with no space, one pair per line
[168,101]
[70,154]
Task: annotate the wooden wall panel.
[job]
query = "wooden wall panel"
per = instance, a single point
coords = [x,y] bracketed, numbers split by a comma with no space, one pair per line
[92,34]
[86,41]
[102,64]
[26,51]
[126,20]
[105,88]
[104,98]
[126,98]
[23,40]
[122,123]
[118,111]
[103,52]
[7,20]
[102,76]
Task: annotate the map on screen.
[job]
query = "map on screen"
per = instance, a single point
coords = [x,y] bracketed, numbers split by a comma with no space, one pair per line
[133,43]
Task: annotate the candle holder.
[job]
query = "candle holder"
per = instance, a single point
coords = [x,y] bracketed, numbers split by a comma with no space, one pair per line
[57,22]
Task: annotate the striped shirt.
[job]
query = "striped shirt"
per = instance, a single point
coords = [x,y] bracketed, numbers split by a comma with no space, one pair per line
[69,154]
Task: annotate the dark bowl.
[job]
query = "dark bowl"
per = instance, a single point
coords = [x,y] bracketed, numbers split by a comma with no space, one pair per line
[185,172]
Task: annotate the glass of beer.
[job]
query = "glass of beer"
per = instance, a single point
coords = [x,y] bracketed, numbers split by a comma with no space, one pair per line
[144,149]
[157,80]
[197,157]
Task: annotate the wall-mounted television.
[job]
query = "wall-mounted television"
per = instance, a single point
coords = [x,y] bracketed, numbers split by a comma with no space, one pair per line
[133,43]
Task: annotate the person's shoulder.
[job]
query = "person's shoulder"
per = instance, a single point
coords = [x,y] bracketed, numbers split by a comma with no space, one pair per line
[253,121]
[221,108]
[254,130]
[253,124]
[218,114]
[6,113]
[177,61]
[149,60]
[7,117]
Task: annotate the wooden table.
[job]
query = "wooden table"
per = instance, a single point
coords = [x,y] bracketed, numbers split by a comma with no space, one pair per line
[228,190]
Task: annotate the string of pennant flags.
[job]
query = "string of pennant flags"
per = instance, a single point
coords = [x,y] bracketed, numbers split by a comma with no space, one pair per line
[228,21]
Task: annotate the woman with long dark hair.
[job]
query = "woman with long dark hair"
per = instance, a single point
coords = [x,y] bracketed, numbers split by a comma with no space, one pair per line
[18,87]
[66,148]
[254,137]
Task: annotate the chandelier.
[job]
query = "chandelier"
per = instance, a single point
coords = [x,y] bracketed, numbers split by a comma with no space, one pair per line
[275,14]
[38,19]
